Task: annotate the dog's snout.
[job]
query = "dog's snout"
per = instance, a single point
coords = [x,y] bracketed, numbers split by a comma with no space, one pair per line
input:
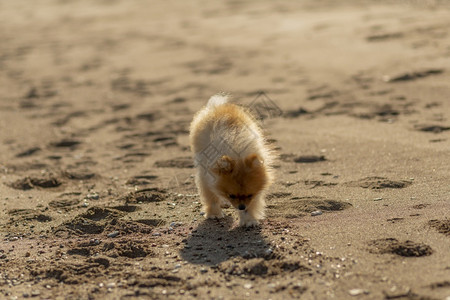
[241,206]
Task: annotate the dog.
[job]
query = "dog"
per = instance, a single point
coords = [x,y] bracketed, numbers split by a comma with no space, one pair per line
[233,160]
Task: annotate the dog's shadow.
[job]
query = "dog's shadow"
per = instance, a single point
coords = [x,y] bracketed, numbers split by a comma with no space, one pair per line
[215,241]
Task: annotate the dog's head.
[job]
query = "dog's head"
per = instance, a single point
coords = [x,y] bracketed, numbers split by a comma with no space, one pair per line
[239,181]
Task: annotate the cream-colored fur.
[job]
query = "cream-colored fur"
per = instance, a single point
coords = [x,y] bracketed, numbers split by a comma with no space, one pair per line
[232,158]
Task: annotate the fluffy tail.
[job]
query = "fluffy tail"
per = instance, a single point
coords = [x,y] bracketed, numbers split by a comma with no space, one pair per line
[216,100]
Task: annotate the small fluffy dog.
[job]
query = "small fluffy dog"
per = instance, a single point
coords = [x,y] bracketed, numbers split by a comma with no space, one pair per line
[233,160]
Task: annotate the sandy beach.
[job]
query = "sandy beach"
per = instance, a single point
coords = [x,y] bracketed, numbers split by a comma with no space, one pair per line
[97,193]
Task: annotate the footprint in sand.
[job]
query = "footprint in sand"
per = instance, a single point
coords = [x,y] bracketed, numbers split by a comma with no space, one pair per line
[133,157]
[442,226]
[318,183]
[29,183]
[277,195]
[93,221]
[152,222]
[28,152]
[121,248]
[408,76]
[401,248]
[165,141]
[309,158]
[289,157]
[66,201]
[146,195]
[376,183]
[297,207]
[431,128]
[97,220]
[27,215]
[126,208]
[381,37]
[141,180]
[82,174]
[66,143]
[262,267]
[383,113]
[179,162]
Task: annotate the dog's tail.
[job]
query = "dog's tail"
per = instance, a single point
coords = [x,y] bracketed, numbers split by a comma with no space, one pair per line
[218,99]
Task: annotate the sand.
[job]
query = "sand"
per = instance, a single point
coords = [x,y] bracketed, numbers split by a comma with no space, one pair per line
[97,198]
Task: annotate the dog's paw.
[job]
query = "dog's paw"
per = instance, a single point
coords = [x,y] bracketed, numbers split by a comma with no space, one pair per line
[225,205]
[247,220]
[216,215]
[248,223]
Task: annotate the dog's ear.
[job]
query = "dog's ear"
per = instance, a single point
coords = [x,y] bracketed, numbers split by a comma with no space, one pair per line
[224,165]
[253,161]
